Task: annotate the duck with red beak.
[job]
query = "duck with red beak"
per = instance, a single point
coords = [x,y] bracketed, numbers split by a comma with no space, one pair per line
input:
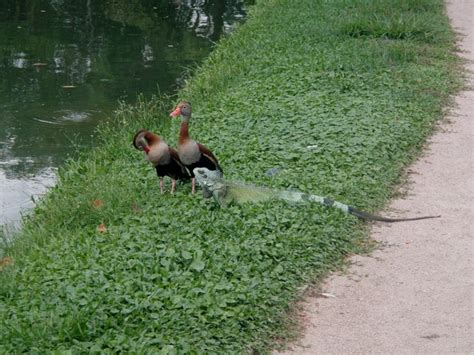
[164,158]
[191,153]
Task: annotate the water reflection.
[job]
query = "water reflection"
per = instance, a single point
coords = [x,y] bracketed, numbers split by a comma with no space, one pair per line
[18,194]
[65,63]
[209,20]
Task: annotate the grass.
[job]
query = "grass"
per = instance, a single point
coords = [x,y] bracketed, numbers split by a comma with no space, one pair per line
[363,80]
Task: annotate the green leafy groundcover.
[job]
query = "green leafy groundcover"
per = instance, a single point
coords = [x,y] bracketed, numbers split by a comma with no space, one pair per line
[338,95]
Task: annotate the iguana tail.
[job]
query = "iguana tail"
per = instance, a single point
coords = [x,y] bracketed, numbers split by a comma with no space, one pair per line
[367,216]
[296,196]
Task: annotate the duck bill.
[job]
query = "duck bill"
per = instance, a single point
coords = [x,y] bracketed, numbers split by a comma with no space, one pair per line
[142,144]
[176,112]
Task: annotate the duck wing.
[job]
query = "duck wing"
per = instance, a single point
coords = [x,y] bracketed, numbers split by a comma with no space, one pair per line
[182,171]
[209,155]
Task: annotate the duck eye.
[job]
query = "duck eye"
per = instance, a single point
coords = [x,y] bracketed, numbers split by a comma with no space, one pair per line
[204,176]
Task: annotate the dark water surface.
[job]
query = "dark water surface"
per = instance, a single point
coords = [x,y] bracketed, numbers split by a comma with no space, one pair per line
[64,64]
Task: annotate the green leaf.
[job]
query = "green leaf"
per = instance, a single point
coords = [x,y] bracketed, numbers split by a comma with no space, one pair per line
[186,255]
[198,265]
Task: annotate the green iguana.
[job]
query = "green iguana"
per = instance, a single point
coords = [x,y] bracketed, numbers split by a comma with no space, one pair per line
[225,192]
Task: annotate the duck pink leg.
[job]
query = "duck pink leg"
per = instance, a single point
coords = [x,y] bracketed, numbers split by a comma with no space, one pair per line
[162,187]
[173,186]
[193,184]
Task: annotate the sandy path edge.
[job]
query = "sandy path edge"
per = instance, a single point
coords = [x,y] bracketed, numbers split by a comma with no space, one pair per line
[416,295]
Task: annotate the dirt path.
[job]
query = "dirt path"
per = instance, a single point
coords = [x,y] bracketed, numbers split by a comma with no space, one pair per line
[416,294]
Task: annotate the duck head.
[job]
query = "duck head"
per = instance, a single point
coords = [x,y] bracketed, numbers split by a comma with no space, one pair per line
[143,139]
[184,109]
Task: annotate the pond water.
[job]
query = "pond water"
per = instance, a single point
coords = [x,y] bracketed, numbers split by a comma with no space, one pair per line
[64,64]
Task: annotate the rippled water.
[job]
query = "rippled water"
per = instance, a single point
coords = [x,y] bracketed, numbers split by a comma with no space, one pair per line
[64,64]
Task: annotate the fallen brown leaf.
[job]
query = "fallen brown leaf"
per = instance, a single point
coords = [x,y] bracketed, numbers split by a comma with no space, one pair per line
[102,228]
[6,261]
[98,203]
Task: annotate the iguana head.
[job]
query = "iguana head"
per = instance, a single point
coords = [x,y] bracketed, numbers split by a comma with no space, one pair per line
[209,180]
[207,177]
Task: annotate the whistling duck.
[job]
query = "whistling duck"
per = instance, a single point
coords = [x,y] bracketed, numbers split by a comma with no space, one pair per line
[164,158]
[191,153]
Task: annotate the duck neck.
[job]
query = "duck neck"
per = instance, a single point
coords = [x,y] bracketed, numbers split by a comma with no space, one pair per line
[184,132]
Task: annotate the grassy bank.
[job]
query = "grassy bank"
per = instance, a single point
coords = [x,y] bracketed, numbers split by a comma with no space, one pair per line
[339,95]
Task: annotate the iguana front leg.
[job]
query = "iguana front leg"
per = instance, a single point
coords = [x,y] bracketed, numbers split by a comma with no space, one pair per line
[220,194]
[206,191]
